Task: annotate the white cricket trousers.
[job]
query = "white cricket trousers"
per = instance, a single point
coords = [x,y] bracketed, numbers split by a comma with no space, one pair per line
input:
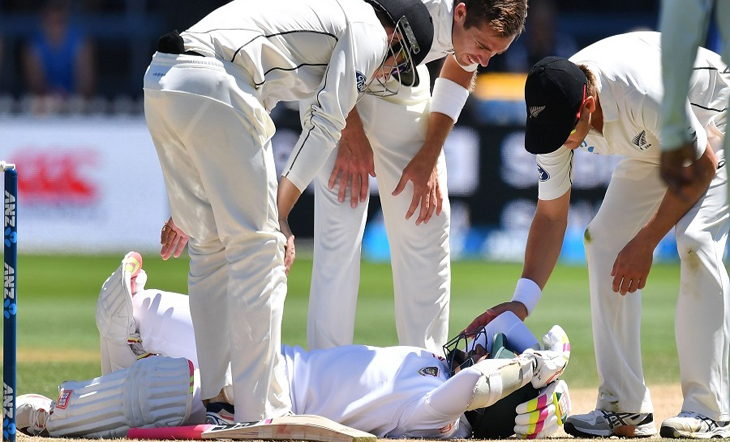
[702,323]
[212,136]
[396,128]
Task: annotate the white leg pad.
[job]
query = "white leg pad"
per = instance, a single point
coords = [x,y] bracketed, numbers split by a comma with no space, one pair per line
[499,378]
[154,392]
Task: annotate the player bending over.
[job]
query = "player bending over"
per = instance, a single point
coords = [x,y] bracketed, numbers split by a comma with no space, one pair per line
[390,392]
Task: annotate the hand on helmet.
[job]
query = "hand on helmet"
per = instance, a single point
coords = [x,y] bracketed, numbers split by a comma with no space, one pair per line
[550,362]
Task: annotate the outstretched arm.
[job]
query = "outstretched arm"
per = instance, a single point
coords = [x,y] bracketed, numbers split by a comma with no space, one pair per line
[541,254]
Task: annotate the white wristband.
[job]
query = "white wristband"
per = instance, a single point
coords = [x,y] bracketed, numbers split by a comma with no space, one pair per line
[527,292]
[448,98]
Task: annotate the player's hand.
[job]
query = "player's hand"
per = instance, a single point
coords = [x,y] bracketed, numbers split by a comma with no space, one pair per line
[353,165]
[674,171]
[632,266]
[485,318]
[173,240]
[540,417]
[290,252]
[423,174]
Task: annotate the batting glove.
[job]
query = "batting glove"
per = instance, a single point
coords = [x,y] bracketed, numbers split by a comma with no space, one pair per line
[541,417]
[550,362]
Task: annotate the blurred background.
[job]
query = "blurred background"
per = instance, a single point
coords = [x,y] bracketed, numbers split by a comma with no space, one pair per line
[71,118]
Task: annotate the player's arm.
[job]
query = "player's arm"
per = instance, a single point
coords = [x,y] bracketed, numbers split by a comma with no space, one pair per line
[358,52]
[354,162]
[683,25]
[450,93]
[633,263]
[544,242]
[287,196]
[325,118]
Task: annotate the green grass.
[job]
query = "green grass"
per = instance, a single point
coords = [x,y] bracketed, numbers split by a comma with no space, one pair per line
[57,337]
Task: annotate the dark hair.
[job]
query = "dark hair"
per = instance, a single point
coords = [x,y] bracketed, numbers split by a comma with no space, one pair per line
[505,17]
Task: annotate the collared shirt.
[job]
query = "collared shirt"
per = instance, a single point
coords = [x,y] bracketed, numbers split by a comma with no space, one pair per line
[290,50]
[384,391]
[627,69]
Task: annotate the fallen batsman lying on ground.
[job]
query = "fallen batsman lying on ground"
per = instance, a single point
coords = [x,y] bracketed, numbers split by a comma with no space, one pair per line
[149,378]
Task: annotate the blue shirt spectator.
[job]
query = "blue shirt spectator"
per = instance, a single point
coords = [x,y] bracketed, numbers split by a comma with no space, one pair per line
[58,59]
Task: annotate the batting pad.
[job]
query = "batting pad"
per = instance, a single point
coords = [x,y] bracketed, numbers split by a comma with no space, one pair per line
[154,392]
[299,427]
[499,378]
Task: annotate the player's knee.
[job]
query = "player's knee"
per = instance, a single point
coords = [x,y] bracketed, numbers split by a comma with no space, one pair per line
[596,236]
[691,241]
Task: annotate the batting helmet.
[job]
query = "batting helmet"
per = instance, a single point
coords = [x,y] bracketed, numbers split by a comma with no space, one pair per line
[498,420]
[414,27]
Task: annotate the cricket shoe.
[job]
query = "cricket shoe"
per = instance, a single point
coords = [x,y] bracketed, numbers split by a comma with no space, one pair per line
[32,413]
[601,423]
[219,413]
[550,363]
[693,425]
[114,310]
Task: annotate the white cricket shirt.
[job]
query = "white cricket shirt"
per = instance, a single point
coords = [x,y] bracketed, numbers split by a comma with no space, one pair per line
[383,391]
[627,68]
[292,50]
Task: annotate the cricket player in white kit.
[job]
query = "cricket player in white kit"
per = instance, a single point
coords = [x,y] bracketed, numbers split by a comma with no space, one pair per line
[683,26]
[606,99]
[208,94]
[399,139]
[391,392]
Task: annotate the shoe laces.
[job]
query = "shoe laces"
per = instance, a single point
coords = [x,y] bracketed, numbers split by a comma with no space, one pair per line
[708,423]
[38,418]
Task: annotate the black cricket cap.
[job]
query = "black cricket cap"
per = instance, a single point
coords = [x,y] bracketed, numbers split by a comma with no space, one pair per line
[554,92]
[417,29]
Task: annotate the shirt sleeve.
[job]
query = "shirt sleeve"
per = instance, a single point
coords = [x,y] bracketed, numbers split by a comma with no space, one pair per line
[683,25]
[555,171]
[438,413]
[358,52]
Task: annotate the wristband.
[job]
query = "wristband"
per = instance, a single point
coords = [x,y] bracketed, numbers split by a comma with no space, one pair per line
[448,98]
[527,292]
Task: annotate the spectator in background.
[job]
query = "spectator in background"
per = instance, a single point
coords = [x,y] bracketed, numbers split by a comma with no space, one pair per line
[540,39]
[58,60]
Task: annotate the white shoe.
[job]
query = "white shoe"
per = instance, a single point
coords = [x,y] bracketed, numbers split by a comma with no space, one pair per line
[601,423]
[32,413]
[114,311]
[693,425]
